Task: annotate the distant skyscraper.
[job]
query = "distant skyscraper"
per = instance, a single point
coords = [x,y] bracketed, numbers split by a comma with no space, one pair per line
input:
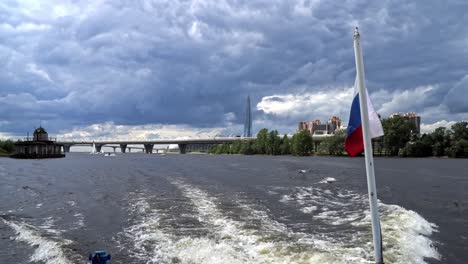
[248,120]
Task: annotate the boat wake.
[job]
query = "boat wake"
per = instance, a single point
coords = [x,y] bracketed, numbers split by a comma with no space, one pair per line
[48,247]
[240,231]
[405,233]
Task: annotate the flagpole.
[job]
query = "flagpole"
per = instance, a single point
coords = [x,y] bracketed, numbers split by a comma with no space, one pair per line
[376,233]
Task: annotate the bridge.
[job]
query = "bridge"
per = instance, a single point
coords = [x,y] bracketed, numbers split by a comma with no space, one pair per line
[148,145]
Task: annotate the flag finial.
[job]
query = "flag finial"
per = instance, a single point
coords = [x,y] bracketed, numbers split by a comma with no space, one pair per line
[356,32]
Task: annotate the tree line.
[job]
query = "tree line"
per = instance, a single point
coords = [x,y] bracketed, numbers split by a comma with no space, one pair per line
[6,146]
[400,139]
[269,143]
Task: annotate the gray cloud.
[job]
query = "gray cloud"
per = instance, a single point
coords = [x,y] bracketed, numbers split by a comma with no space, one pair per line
[78,63]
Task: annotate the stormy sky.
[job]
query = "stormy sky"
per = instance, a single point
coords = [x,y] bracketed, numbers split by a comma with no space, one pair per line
[181,68]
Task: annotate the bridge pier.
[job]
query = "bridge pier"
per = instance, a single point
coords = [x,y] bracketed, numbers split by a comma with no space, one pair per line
[148,148]
[66,148]
[182,148]
[123,147]
[98,147]
[114,148]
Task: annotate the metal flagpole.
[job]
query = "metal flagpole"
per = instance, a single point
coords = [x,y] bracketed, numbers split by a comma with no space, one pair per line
[376,233]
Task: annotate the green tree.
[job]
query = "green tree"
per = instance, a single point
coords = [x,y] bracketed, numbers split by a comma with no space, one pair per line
[333,145]
[397,132]
[247,148]
[441,141]
[421,147]
[273,143]
[285,145]
[459,149]
[213,149]
[7,146]
[262,141]
[460,131]
[302,143]
[226,148]
[220,149]
[236,147]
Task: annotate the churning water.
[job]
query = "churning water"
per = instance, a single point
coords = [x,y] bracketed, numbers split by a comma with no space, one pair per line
[229,209]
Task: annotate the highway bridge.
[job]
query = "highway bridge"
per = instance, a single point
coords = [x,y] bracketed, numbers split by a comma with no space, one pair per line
[148,145]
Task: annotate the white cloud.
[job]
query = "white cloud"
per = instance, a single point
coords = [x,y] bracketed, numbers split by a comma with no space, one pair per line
[189,62]
[428,128]
[195,31]
[330,102]
[33,68]
[403,101]
[305,7]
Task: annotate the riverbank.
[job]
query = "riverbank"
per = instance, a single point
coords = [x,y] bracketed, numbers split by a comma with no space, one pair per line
[4,154]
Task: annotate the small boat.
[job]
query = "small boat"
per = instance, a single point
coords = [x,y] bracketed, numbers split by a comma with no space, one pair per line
[108,154]
[94,150]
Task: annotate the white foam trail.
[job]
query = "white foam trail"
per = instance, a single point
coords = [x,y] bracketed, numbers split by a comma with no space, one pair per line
[153,243]
[405,233]
[150,243]
[273,243]
[233,241]
[230,242]
[46,250]
[71,203]
[328,180]
[79,221]
[48,225]
[308,209]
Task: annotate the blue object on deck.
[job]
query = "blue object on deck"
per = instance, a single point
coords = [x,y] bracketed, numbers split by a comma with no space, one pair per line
[99,257]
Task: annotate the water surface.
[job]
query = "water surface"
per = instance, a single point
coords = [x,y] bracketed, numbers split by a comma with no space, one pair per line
[230,209]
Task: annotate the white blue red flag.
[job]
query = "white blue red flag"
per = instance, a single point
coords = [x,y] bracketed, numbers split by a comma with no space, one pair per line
[354,143]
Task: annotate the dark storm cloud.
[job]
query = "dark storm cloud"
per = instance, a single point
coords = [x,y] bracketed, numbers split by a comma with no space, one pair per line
[76,63]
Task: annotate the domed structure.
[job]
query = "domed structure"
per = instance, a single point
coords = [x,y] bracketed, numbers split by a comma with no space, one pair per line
[40,135]
[40,147]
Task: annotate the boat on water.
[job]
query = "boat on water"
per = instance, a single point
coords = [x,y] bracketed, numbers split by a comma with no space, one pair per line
[108,154]
[94,150]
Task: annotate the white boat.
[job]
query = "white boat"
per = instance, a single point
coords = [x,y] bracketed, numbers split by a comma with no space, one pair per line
[94,150]
[108,154]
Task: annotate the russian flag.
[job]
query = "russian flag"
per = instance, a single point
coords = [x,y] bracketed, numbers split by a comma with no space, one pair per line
[354,143]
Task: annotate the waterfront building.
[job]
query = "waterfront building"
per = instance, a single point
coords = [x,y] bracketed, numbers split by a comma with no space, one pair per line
[38,147]
[335,121]
[413,118]
[316,127]
[303,125]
